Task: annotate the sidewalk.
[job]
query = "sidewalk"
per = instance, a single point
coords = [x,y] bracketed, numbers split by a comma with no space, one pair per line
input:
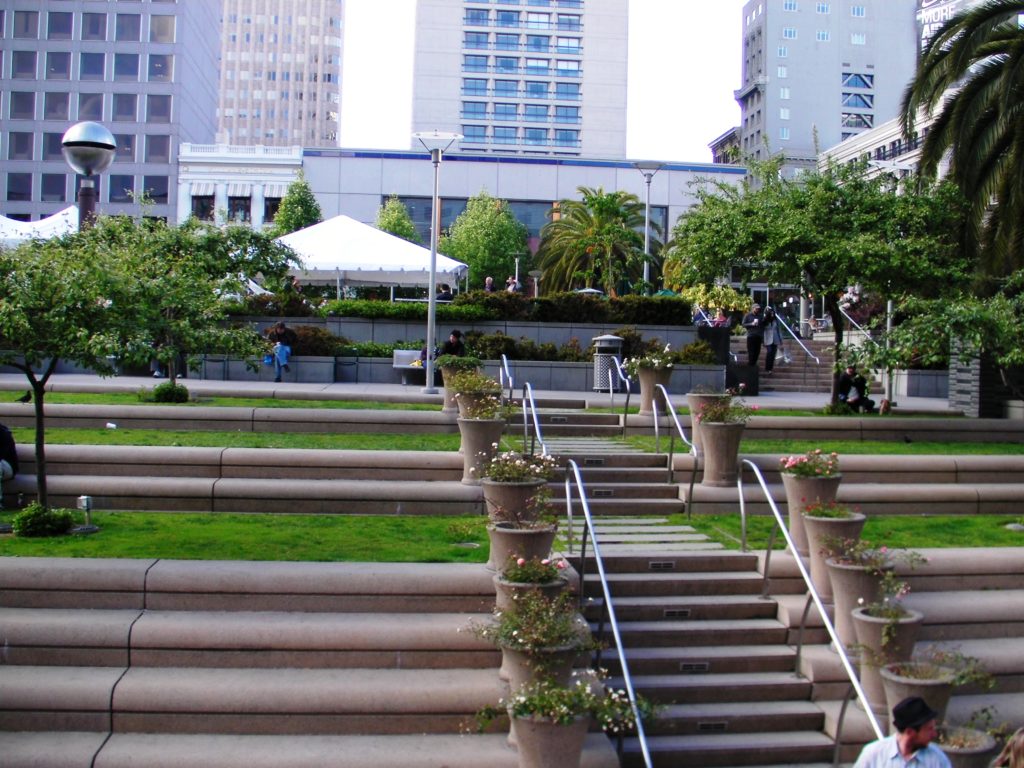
[77,382]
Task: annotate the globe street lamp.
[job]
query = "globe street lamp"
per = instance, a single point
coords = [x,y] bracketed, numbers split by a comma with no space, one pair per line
[436,143]
[648,168]
[89,149]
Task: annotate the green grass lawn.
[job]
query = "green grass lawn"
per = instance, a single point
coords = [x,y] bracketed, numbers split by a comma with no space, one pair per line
[142,398]
[869,447]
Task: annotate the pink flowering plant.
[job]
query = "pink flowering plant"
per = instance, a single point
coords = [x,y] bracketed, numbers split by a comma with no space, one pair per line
[728,409]
[515,467]
[814,463]
[519,570]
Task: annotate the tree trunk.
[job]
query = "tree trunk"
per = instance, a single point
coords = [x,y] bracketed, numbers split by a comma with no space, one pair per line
[38,393]
[837,328]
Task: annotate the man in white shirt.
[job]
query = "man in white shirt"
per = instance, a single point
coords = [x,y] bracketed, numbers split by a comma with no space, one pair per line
[911,744]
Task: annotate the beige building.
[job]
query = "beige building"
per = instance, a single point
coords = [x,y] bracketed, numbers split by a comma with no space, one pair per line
[280,72]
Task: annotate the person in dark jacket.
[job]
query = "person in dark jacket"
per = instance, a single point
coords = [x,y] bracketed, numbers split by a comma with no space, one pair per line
[8,458]
[284,339]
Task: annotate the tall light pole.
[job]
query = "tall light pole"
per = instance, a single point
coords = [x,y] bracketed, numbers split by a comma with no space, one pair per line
[648,168]
[436,143]
[89,149]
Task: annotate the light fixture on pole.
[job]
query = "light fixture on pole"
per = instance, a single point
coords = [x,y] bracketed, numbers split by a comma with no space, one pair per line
[89,149]
[436,143]
[648,168]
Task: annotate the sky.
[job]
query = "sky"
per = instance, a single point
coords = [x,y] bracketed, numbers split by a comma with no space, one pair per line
[684,64]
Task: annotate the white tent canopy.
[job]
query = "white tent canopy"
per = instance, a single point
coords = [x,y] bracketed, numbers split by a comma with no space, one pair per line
[14,232]
[347,251]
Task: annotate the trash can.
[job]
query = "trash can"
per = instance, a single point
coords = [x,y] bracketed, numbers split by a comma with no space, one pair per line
[605,348]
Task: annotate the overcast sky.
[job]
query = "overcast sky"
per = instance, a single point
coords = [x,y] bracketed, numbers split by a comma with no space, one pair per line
[684,63]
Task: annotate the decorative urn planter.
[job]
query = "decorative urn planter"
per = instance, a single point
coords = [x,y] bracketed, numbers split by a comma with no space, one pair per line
[721,452]
[520,668]
[852,586]
[694,401]
[544,743]
[875,654]
[479,438]
[650,378]
[505,499]
[966,747]
[931,682]
[819,531]
[450,403]
[508,541]
[801,491]
[506,592]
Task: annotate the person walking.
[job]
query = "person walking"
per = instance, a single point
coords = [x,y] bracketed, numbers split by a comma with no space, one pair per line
[772,339]
[754,323]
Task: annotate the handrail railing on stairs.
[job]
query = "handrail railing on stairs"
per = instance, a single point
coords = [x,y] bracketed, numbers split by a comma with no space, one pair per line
[812,597]
[505,374]
[572,476]
[530,413]
[621,377]
[671,411]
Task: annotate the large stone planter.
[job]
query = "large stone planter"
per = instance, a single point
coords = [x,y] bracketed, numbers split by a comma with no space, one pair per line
[450,404]
[694,401]
[721,453]
[875,655]
[801,491]
[507,592]
[507,502]
[649,394]
[974,748]
[852,587]
[478,446]
[520,668]
[819,531]
[545,744]
[467,400]
[931,682]
[508,541]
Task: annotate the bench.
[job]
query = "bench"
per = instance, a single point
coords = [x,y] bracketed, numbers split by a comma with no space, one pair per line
[406,360]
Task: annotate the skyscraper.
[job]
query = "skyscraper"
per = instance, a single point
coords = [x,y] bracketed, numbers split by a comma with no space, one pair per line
[816,72]
[528,77]
[122,64]
[281,72]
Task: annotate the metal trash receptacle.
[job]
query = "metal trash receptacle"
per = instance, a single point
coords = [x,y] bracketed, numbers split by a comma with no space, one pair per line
[605,348]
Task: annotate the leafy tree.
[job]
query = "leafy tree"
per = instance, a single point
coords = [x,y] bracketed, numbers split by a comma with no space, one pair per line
[823,233]
[123,291]
[972,72]
[596,241]
[393,217]
[298,210]
[487,237]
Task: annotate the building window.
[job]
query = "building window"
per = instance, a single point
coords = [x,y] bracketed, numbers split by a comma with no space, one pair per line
[506,42]
[474,86]
[125,146]
[505,87]
[475,40]
[56,106]
[158,108]
[538,43]
[155,187]
[91,66]
[856,80]
[128,27]
[238,209]
[270,206]
[783,113]
[535,136]
[537,66]
[90,106]
[567,91]
[567,138]
[858,11]
[122,188]
[474,110]
[54,188]
[161,67]
[126,66]
[790,5]
[822,35]
[94,26]
[58,65]
[504,134]
[784,133]
[506,64]
[476,17]
[125,107]
[19,187]
[789,33]
[538,20]
[567,114]
[784,92]
[782,72]
[535,113]
[161,29]
[822,8]
[23,106]
[203,207]
[26,25]
[857,120]
[475,133]
[860,100]
[568,45]
[19,145]
[858,38]
[474,63]
[158,149]
[567,68]
[783,51]
[23,65]
[569,22]
[508,18]
[506,111]
[52,147]
[58,25]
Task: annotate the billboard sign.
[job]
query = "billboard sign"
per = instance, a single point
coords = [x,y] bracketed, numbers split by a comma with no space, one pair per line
[932,14]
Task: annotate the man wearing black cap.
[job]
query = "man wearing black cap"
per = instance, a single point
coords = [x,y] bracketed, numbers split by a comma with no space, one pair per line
[911,744]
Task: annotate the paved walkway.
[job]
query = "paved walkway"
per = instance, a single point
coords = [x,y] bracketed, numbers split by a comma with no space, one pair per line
[72,382]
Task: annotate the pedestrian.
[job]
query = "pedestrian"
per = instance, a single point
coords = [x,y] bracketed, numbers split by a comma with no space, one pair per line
[8,459]
[911,744]
[454,345]
[489,284]
[1012,755]
[284,339]
[512,285]
[772,340]
[444,292]
[754,323]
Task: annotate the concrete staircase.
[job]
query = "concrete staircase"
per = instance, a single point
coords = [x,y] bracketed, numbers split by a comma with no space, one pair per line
[175,664]
[802,373]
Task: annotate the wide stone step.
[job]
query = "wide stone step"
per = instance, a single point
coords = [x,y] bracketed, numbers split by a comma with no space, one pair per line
[692,608]
[600,489]
[736,717]
[640,560]
[155,750]
[702,660]
[708,632]
[658,584]
[697,689]
[732,749]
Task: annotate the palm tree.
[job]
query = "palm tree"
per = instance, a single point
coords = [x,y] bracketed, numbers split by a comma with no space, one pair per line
[596,240]
[971,77]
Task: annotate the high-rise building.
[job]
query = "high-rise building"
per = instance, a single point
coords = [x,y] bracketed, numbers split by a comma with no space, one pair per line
[528,77]
[280,72]
[816,72]
[123,64]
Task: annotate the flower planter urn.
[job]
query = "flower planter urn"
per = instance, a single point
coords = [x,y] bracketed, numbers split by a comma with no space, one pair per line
[931,682]
[852,586]
[874,654]
[450,406]
[966,747]
[819,531]
[506,592]
[544,743]
[509,499]
[650,378]
[721,452]
[479,438]
[694,401]
[507,541]
[801,491]
[520,668]
[468,401]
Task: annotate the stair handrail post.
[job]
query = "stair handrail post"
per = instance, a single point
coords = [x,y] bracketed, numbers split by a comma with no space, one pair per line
[505,373]
[588,529]
[530,413]
[798,340]
[671,411]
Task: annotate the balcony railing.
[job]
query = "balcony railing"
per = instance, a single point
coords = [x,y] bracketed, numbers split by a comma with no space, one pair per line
[519,94]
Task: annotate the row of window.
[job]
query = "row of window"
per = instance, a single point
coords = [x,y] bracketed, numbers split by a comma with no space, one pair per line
[21,145]
[480,17]
[857,11]
[284,76]
[123,107]
[239,208]
[60,25]
[529,66]
[538,113]
[559,137]
[535,43]
[53,187]
[822,36]
[92,66]
[512,89]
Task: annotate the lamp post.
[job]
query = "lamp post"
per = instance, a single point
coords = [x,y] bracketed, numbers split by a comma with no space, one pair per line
[436,143]
[89,149]
[648,168]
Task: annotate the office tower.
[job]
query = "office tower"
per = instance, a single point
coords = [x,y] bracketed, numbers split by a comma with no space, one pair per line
[280,72]
[532,77]
[818,72]
[125,65]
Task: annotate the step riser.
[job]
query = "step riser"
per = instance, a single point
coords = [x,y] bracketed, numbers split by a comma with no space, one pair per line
[767,723]
[291,723]
[699,636]
[681,564]
[697,758]
[702,613]
[712,693]
[709,666]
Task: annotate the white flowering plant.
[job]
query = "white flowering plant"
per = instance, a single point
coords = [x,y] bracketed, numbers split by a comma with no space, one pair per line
[515,467]
[656,361]
[536,622]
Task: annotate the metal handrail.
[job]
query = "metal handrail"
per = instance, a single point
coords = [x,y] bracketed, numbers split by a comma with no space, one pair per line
[573,474]
[503,373]
[671,411]
[624,378]
[796,338]
[857,325]
[530,412]
[837,644]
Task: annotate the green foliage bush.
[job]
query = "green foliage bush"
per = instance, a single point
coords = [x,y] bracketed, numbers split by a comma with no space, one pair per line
[376,348]
[317,341]
[456,363]
[36,521]
[500,305]
[404,310]
[287,304]
[493,346]
[696,353]
[170,393]
[571,308]
[651,310]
